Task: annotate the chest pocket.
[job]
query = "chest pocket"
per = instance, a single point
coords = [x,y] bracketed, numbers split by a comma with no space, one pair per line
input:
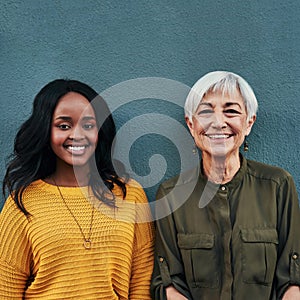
[259,255]
[200,259]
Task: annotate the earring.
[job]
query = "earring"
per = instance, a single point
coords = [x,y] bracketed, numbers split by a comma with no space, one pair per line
[246,145]
[194,149]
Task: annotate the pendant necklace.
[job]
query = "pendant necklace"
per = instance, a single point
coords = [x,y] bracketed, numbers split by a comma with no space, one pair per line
[87,243]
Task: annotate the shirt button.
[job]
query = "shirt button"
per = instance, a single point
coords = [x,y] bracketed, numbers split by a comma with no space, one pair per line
[223,188]
[295,256]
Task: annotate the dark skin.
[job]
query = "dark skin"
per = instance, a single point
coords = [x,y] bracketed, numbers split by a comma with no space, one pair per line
[74,137]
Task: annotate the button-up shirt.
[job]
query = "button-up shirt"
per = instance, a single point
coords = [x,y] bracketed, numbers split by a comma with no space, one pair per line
[239,240]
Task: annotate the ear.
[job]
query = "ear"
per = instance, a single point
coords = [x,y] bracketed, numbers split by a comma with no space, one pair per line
[190,125]
[250,124]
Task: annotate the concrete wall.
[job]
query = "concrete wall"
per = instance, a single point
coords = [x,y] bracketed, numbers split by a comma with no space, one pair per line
[142,56]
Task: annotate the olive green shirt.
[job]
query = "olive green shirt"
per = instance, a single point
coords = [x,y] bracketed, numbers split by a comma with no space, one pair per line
[236,241]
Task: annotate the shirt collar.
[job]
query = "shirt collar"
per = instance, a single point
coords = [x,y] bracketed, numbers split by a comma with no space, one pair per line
[235,180]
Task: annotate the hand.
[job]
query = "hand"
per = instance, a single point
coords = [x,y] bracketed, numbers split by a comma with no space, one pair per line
[292,293]
[173,294]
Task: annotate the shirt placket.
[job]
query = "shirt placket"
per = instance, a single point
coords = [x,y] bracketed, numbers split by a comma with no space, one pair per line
[225,228]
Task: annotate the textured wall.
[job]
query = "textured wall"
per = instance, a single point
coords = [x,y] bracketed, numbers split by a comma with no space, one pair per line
[107,43]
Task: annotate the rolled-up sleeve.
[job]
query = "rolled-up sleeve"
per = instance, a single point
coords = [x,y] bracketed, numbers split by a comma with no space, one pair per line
[168,266]
[288,264]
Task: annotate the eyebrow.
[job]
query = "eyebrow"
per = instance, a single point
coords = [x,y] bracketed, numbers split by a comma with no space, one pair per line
[227,104]
[205,104]
[65,118]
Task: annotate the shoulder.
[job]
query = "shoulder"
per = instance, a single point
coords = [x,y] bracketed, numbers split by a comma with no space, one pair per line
[135,192]
[133,184]
[9,206]
[267,172]
[11,216]
[189,177]
[135,201]
[37,187]
[37,193]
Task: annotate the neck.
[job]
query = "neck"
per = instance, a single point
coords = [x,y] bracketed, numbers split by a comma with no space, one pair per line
[220,169]
[70,178]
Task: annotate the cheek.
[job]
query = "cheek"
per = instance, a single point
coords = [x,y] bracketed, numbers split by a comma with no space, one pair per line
[56,137]
[199,129]
[196,128]
[96,142]
[246,128]
[53,138]
[94,137]
[239,126]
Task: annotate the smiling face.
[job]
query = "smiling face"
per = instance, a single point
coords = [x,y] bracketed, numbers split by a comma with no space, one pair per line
[74,132]
[220,124]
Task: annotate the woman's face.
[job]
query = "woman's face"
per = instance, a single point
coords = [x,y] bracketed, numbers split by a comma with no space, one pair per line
[74,132]
[220,124]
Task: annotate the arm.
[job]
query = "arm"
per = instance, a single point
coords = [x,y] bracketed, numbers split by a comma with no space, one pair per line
[292,293]
[288,264]
[173,294]
[14,252]
[168,279]
[142,260]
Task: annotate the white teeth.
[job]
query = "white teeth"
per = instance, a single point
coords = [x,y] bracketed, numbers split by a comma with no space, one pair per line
[76,148]
[218,136]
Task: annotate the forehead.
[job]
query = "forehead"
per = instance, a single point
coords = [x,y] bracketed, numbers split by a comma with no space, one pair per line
[73,104]
[223,98]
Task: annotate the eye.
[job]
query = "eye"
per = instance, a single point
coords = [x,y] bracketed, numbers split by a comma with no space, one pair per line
[63,126]
[88,126]
[205,111]
[232,112]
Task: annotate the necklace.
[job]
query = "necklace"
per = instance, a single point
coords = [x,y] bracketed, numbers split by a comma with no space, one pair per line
[87,243]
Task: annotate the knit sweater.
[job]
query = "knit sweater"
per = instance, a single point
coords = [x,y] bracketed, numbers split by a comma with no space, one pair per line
[43,257]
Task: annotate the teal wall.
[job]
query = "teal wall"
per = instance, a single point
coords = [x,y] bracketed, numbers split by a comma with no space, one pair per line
[142,56]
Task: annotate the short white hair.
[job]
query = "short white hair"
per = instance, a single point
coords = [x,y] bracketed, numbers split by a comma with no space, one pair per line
[220,81]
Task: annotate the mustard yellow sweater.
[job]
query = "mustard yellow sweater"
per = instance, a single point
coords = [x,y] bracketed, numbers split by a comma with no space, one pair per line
[44,257]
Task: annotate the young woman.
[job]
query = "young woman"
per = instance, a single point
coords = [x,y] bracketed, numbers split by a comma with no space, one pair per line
[71,228]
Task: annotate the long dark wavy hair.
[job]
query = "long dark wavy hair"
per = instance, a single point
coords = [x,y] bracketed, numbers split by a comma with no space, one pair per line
[34,159]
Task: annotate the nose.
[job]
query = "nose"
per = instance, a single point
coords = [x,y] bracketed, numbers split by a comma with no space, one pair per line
[219,120]
[76,133]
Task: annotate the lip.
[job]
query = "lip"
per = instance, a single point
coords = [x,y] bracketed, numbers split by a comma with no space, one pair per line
[76,149]
[219,136]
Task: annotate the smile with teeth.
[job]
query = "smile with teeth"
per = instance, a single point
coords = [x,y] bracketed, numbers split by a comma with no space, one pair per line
[218,136]
[76,148]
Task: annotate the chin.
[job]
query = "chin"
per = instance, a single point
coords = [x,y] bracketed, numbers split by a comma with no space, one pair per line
[224,154]
[79,163]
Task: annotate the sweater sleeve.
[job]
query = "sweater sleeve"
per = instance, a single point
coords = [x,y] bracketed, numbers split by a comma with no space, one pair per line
[288,264]
[15,252]
[142,259]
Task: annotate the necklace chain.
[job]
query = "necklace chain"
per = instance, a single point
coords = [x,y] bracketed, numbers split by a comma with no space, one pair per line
[87,243]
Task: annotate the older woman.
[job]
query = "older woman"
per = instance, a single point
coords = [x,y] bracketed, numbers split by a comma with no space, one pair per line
[236,236]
